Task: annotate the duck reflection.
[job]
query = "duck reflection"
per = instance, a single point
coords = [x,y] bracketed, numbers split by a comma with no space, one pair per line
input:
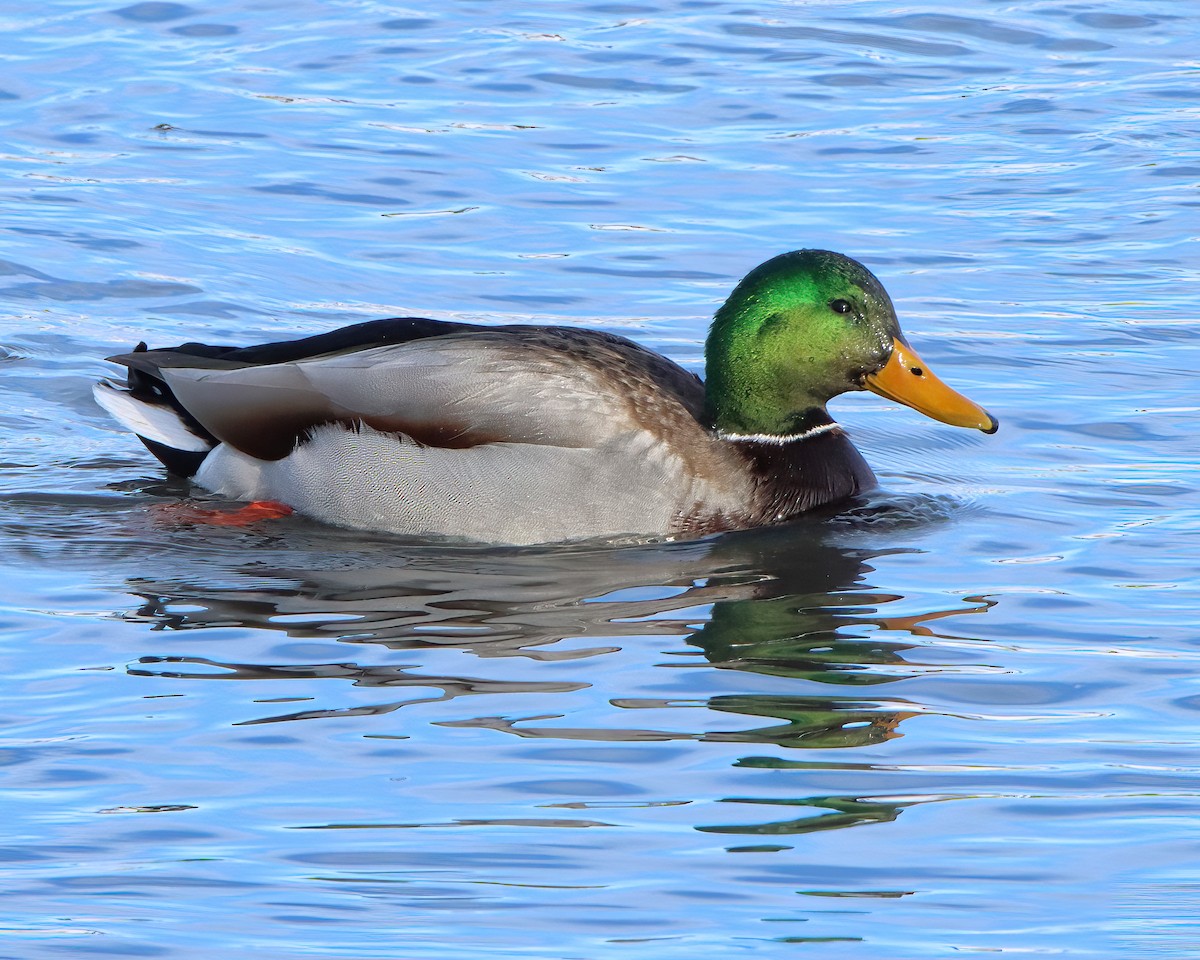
[837,812]
[783,602]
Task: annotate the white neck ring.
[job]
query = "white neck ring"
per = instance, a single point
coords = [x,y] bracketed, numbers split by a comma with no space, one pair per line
[776,438]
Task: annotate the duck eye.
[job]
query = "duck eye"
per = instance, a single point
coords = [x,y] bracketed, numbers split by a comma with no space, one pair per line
[840,306]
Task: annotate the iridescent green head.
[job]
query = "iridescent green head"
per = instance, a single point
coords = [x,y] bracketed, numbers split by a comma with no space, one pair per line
[801,329]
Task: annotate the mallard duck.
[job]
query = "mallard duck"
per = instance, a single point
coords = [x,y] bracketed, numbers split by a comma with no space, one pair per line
[525,434]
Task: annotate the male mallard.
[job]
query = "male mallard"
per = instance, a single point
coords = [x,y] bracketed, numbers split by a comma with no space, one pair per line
[525,434]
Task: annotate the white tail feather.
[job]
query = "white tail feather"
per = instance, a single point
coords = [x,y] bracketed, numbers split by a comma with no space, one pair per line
[153,421]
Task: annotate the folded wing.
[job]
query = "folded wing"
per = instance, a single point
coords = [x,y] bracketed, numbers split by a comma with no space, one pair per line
[552,386]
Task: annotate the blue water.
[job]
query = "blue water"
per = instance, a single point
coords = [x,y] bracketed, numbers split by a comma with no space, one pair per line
[959,718]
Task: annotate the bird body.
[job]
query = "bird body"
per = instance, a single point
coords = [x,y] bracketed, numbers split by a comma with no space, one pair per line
[518,434]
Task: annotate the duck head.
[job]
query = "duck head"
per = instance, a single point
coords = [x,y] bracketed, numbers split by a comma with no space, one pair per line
[801,329]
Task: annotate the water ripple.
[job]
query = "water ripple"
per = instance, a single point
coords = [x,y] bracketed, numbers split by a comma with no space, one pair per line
[951,717]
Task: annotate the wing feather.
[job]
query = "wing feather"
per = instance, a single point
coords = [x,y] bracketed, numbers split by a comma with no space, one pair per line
[459,390]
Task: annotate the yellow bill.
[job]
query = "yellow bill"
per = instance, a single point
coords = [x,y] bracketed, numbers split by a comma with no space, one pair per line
[907,380]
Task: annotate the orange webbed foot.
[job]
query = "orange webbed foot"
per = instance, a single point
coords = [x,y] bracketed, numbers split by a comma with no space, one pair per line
[251,513]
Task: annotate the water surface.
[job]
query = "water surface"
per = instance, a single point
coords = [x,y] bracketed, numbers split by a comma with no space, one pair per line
[958,718]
